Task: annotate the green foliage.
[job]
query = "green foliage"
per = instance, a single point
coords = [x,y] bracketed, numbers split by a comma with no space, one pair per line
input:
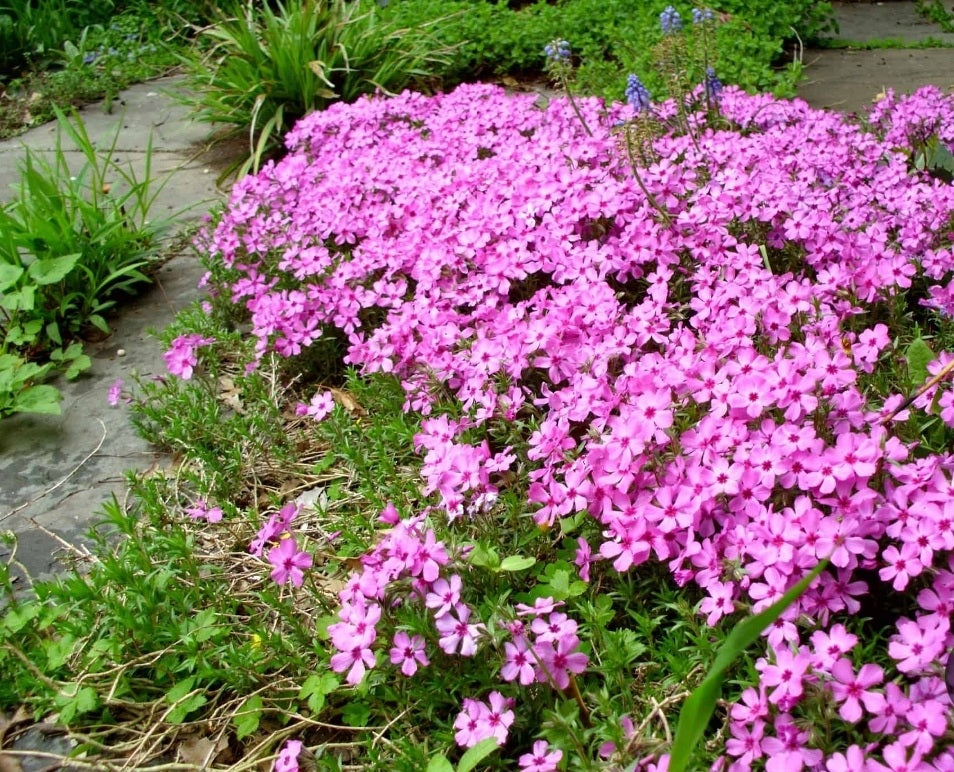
[71,242]
[934,10]
[260,70]
[609,38]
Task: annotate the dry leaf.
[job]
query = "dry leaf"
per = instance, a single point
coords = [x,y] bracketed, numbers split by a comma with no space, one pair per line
[201,751]
[230,395]
[348,402]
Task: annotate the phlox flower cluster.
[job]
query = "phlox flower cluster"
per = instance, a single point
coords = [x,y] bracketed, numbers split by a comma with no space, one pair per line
[702,384]
[181,358]
[408,565]
[288,562]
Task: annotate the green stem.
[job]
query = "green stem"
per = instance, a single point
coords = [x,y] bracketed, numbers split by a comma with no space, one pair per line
[576,109]
[639,181]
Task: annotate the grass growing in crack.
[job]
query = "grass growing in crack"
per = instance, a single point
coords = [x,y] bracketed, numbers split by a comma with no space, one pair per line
[72,242]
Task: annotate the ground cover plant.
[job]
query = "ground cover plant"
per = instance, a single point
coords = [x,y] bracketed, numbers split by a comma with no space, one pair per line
[718,384]
[501,413]
[71,54]
[612,38]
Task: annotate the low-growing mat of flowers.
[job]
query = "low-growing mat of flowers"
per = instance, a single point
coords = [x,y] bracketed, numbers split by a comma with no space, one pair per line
[720,387]
[593,399]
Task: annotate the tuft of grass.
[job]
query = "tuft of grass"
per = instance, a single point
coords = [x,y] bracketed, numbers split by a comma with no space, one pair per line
[259,69]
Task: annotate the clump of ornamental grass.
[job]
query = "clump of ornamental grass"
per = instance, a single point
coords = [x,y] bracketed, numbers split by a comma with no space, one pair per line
[723,395]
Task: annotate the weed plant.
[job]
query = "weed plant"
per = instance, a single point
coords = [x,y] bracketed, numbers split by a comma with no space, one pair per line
[71,243]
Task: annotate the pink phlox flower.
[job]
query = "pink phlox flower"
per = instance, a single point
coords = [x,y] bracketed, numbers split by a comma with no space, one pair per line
[540,606]
[917,644]
[583,558]
[471,729]
[557,659]
[928,721]
[752,706]
[319,407]
[288,562]
[852,690]
[479,721]
[287,760]
[408,652]
[746,742]
[901,565]
[831,645]
[457,632]
[444,595]
[519,662]
[429,557]
[181,358]
[788,750]
[852,760]
[557,625]
[115,392]
[719,602]
[896,705]
[202,511]
[499,717]
[785,675]
[541,758]
[896,759]
[352,637]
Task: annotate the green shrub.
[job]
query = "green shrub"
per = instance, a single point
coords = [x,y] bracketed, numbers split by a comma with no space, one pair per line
[264,69]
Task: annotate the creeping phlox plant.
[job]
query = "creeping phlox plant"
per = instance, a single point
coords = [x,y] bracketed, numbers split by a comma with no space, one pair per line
[722,388]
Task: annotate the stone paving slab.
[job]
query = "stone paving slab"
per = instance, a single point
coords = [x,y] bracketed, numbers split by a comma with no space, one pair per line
[57,471]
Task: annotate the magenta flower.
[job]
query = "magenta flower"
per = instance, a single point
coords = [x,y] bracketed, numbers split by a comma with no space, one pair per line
[320,406]
[519,662]
[470,725]
[115,392]
[457,633]
[541,758]
[852,690]
[288,562]
[558,659]
[202,511]
[287,760]
[181,359]
[408,652]
[785,675]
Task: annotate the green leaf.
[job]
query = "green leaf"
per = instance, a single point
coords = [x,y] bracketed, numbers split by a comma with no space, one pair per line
[58,651]
[77,366]
[53,333]
[9,275]
[698,707]
[484,557]
[517,563]
[38,399]
[180,690]
[52,269]
[475,755]
[19,617]
[316,688]
[918,356]
[73,701]
[356,714]
[248,717]
[440,764]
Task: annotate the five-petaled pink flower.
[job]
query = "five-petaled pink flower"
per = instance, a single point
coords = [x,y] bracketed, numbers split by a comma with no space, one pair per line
[288,562]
